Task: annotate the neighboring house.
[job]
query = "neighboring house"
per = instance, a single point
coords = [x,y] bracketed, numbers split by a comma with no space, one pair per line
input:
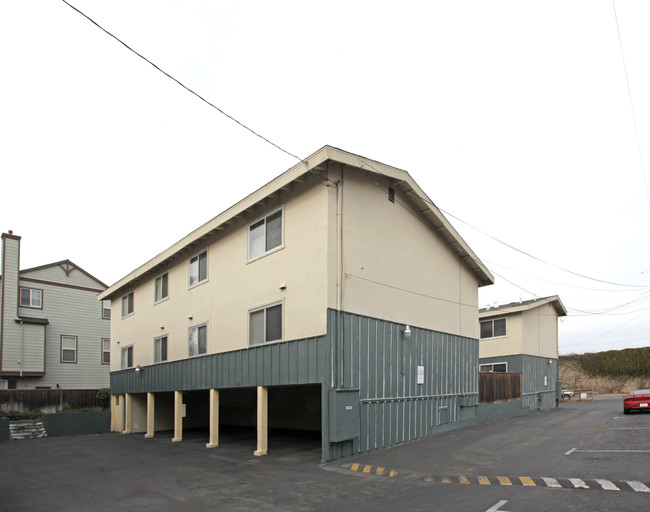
[53,332]
[335,298]
[522,337]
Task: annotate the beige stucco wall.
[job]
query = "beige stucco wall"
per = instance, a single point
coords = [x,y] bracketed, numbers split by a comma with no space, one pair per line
[235,285]
[533,332]
[396,267]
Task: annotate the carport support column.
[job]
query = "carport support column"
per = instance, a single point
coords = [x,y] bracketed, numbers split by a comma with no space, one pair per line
[128,414]
[262,420]
[178,417]
[151,404]
[214,419]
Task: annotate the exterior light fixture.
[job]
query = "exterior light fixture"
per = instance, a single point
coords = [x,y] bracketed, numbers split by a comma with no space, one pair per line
[137,369]
[407,333]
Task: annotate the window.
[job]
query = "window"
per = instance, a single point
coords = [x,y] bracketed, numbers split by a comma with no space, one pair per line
[265,324]
[199,268]
[127,305]
[31,298]
[160,287]
[160,349]
[391,194]
[493,328]
[493,367]
[106,351]
[127,357]
[106,309]
[265,235]
[68,349]
[197,340]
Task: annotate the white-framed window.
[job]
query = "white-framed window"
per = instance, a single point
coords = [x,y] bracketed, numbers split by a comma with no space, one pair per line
[493,328]
[127,304]
[160,349]
[493,367]
[127,357]
[197,342]
[265,235]
[106,351]
[160,287]
[31,298]
[68,349]
[106,309]
[199,268]
[265,324]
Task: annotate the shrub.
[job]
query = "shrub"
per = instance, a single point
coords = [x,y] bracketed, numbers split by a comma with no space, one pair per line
[19,416]
[103,397]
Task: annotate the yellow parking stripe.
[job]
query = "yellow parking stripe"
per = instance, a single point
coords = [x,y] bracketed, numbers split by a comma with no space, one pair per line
[355,467]
[380,471]
[484,480]
[526,480]
[392,474]
[504,480]
[367,469]
[446,480]
[463,479]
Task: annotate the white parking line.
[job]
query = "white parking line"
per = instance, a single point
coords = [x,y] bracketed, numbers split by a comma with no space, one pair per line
[607,485]
[551,482]
[578,484]
[570,451]
[638,486]
[606,451]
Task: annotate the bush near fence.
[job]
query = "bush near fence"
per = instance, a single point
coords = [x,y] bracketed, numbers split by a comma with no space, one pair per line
[49,400]
[498,386]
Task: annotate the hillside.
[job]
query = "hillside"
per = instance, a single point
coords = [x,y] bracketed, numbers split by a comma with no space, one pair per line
[613,371]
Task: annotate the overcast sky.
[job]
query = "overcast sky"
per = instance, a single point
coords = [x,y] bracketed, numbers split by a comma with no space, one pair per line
[527,123]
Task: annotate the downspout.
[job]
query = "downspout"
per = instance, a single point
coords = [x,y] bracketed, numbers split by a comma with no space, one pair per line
[22,344]
[339,278]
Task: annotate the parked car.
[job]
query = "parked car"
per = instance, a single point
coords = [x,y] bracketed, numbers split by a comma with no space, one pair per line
[567,394]
[638,400]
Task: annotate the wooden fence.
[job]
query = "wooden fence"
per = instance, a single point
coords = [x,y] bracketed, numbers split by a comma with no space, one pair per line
[498,386]
[48,400]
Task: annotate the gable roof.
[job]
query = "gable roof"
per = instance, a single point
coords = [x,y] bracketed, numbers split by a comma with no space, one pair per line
[66,265]
[313,165]
[517,307]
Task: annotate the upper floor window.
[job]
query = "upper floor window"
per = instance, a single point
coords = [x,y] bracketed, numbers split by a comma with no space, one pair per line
[199,268]
[127,357]
[106,309]
[265,235]
[265,324]
[160,349]
[127,304]
[197,340]
[493,328]
[31,298]
[68,349]
[106,351]
[160,287]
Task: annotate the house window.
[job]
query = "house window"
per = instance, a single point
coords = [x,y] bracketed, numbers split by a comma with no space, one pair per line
[127,357]
[265,324]
[391,194]
[493,367]
[31,298]
[106,309]
[199,268]
[127,305]
[68,349]
[106,351]
[160,349]
[197,340]
[160,287]
[493,328]
[265,235]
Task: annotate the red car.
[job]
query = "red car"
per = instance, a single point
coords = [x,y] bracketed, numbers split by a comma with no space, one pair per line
[638,400]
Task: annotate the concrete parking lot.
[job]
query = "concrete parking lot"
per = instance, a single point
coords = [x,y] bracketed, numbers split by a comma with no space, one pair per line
[583,456]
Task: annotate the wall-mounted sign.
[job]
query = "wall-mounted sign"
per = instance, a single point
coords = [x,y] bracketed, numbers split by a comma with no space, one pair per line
[420,374]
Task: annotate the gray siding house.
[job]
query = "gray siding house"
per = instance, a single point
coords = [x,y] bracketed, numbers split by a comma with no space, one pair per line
[53,331]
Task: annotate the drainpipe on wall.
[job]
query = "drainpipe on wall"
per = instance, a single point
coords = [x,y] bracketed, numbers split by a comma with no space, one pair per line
[22,345]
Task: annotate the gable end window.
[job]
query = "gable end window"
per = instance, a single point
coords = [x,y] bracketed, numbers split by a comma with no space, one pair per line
[265,324]
[265,235]
[106,309]
[493,328]
[160,349]
[31,298]
[160,287]
[68,349]
[127,304]
[127,357]
[199,268]
[106,351]
[197,344]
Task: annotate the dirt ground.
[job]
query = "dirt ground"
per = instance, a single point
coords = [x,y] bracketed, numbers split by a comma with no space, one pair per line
[573,378]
